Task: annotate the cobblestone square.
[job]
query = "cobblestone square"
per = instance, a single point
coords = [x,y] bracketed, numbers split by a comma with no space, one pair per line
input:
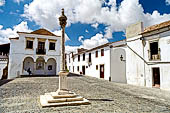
[21,95]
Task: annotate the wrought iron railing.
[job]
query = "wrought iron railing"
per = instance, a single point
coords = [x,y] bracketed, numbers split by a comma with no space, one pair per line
[41,51]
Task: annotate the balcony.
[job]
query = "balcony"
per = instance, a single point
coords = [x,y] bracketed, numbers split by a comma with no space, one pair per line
[88,61]
[41,51]
[155,55]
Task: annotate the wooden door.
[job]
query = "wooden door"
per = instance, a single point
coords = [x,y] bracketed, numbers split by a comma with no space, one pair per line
[83,70]
[156,77]
[102,71]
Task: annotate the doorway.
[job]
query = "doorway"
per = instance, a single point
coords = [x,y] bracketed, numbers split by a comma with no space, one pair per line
[83,70]
[156,77]
[102,71]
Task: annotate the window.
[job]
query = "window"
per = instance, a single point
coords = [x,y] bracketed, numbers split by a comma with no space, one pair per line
[29,44]
[73,68]
[40,64]
[41,45]
[96,67]
[102,52]
[52,46]
[96,54]
[69,58]
[77,68]
[84,57]
[50,67]
[89,57]
[41,48]
[78,57]
[154,51]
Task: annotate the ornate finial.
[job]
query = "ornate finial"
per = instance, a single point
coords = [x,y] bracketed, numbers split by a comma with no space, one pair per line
[63,19]
[62,11]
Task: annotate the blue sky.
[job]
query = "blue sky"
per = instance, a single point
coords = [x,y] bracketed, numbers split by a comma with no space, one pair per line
[90,23]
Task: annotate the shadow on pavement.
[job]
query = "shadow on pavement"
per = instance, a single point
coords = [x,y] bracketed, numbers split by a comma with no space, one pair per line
[74,75]
[69,75]
[22,76]
[2,82]
[100,99]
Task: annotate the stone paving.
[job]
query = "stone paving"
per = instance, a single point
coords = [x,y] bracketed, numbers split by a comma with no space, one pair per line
[21,95]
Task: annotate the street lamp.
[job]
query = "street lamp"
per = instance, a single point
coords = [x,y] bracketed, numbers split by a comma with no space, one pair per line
[121,58]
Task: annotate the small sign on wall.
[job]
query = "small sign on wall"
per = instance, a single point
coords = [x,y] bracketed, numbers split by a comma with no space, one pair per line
[168,41]
[50,67]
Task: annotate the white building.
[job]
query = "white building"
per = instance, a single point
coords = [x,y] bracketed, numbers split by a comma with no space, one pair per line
[37,52]
[4,52]
[143,59]
[148,56]
[100,62]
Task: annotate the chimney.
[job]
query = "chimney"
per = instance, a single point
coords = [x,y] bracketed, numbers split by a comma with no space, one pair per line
[81,50]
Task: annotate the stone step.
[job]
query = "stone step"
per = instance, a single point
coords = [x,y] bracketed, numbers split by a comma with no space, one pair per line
[44,102]
[55,95]
[52,100]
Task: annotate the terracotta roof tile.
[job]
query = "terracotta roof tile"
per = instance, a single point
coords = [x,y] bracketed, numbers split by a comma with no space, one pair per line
[14,38]
[41,32]
[98,47]
[156,27]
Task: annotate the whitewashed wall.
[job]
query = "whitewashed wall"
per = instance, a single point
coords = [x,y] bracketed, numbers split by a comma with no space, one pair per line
[139,72]
[18,53]
[164,65]
[3,64]
[91,69]
[118,67]
[134,62]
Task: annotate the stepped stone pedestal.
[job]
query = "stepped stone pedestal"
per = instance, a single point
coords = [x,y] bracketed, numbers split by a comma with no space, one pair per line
[62,96]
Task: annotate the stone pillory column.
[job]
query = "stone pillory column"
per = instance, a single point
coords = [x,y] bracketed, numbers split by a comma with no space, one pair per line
[63,22]
[62,96]
[63,74]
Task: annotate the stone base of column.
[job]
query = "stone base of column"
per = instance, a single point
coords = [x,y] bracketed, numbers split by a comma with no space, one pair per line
[63,96]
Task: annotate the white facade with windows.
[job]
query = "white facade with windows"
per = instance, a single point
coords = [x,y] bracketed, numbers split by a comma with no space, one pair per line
[36,53]
[143,59]
[147,55]
[100,63]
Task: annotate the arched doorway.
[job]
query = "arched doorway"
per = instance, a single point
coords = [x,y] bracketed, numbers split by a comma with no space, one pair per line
[28,64]
[118,65]
[51,67]
[40,66]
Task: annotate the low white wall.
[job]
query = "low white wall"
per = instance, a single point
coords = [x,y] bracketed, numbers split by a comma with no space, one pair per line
[3,64]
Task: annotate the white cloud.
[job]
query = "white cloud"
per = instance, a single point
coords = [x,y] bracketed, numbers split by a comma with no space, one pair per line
[87,31]
[10,33]
[90,12]
[2,2]
[167,2]
[70,49]
[95,25]
[58,32]
[108,33]
[94,41]
[18,1]
[80,38]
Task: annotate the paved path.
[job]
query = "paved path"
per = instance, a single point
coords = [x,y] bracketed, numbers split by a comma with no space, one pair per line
[21,95]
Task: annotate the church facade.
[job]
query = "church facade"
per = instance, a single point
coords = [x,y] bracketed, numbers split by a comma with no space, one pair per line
[35,53]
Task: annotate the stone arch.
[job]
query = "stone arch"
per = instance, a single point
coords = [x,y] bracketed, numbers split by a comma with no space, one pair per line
[51,66]
[40,66]
[28,63]
[118,65]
